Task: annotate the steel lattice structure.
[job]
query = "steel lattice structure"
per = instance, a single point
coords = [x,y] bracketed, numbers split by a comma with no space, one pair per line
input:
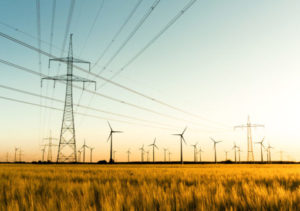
[249,126]
[67,140]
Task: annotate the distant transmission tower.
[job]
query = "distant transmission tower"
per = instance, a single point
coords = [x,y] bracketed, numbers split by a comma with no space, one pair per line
[50,145]
[67,140]
[250,155]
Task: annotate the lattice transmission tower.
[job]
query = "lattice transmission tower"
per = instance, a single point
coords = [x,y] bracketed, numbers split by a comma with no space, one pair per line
[249,126]
[67,141]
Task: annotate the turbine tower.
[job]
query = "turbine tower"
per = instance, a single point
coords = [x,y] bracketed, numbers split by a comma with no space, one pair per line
[195,151]
[110,137]
[153,149]
[170,156]
[261,149]
[67,141]
[128,155]
[215,147]
[226,153]
[165,154]
[249,126]
[269,153]
[181,139]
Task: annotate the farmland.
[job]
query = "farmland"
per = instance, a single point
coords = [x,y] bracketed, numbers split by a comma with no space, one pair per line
[149,187]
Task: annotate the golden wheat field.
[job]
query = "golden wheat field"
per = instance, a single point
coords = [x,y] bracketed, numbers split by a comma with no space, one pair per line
[149,187]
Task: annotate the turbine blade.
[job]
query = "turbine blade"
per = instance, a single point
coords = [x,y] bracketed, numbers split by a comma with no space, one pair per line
[184,130]
[109,125]
[109,137]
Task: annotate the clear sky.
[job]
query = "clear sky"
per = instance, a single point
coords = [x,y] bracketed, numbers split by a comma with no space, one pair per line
[223,60]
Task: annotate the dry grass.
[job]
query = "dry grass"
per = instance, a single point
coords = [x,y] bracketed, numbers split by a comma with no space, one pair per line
[149,187]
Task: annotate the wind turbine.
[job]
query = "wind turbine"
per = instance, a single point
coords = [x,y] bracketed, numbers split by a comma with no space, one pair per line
[83,148]
[43,153]
[16,150]
[153,149]
[200,151]
[261,148]
[269,152]
[128,153]
[148,156]
[239,154]
[165,154]
[110,137]
[226,152]
[170,156]
[195,150]
[79,156]
[281,155]
[91,154]
[181,139]
[215,147]
[235,147]
[142,153]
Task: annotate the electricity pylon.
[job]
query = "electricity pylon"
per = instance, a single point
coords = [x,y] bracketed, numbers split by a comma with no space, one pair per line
[50,145]
[67,141]
[250,155]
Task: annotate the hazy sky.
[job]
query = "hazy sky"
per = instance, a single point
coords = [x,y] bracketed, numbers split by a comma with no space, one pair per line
[222,60]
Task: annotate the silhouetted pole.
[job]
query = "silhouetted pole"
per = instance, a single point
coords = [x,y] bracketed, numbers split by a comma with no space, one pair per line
[195,151]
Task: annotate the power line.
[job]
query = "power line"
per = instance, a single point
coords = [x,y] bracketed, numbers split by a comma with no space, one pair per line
[82,106]
[92,27]
[112,82]
[69,20]
[114,39]
[105,96]
[161,32]
[89,115]
[136,28]
[118,33]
